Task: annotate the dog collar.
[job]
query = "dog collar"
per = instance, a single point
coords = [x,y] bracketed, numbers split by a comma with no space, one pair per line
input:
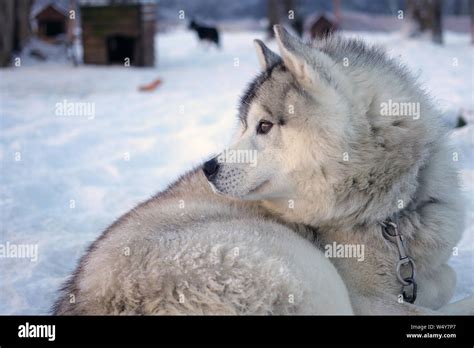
[409,287]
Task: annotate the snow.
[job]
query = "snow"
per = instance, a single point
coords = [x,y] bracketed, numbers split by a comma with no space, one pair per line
[79,173]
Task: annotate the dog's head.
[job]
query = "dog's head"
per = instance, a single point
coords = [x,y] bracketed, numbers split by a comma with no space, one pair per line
[306,141]
[294,121]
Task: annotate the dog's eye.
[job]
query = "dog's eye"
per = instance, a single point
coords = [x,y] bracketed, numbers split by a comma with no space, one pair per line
[264,127]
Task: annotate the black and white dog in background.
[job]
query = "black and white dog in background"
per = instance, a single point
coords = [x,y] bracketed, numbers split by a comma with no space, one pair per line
[209,34]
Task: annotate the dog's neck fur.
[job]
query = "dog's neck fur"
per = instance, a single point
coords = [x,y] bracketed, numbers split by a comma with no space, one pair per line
[387,161]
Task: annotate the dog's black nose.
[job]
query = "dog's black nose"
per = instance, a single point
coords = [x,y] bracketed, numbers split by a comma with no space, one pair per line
[210,168]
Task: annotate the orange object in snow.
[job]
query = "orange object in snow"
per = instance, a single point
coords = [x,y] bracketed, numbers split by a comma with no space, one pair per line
[150,86]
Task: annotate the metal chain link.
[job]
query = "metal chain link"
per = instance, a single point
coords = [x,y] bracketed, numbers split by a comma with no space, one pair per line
[409,287]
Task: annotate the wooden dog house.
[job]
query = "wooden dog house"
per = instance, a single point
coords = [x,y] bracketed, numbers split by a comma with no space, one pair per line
[322,26]
[118,32]
[51,21]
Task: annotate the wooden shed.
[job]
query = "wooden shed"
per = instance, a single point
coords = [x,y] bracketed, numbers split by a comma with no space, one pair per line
[118,32]
[51,21]
[322,26]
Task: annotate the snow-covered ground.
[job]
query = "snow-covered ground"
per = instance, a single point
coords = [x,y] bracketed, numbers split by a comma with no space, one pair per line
[78,173]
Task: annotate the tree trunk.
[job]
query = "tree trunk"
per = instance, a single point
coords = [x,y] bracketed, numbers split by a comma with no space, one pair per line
[426,15]
[336,4]
[7,24]
[437,28]
[273,16]
[471,12]
[15,29]
[22,23]
[297,21]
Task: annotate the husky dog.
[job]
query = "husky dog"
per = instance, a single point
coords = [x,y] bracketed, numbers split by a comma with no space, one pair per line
[330,166]
[346,139]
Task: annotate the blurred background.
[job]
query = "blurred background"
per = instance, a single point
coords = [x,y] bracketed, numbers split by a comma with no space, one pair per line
[104,103]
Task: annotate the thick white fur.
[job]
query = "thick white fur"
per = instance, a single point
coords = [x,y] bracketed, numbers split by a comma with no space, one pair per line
[189,251]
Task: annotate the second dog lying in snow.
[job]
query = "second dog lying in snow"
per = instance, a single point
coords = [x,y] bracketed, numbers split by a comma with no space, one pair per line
[331,169]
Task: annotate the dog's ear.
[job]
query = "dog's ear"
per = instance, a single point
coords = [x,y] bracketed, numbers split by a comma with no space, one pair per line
[296,56]
[266,57]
